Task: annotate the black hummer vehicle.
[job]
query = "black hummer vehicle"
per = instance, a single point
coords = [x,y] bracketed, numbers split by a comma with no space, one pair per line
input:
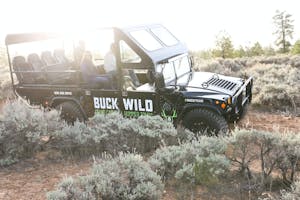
[154,77]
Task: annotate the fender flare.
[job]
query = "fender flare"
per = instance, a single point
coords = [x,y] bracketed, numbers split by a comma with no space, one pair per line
[190,107]
[58,100]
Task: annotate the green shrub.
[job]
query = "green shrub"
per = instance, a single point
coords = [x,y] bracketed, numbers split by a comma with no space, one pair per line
[200,161]
[113,133]
[57,195]
[204,170]
[24,128]
[293,194]
[220,66]
[78,140]
[189,160]
[270,150]
[124,177]
[6,91]
[276,78]
[3,56]
[281,86]
[249,145]
[21,129]
[289,156]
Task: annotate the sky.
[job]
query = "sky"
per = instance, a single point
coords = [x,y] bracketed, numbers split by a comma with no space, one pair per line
[195,22]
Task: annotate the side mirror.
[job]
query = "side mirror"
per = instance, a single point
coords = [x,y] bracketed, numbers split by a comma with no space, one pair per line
[191,58]
[156,78]
[159,81]
[150,76]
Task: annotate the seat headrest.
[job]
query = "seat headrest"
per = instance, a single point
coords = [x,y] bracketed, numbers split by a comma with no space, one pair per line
[59,55]
[47,58]
[18,59]
[59,52]
[33,57]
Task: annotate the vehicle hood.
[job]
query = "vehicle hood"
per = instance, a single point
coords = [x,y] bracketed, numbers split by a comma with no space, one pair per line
[209,83]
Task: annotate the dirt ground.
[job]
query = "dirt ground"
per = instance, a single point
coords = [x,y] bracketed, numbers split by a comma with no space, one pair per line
[31,179]
[259,120]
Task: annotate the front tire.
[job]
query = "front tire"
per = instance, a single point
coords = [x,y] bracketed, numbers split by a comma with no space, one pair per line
[205,122]
[70,112]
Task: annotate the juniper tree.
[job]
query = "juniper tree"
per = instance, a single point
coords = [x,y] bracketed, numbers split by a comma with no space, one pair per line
[296,47]
[240,52]
[256,50]
[224,47]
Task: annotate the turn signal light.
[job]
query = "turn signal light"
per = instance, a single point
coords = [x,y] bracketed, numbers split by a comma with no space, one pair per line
[223,105]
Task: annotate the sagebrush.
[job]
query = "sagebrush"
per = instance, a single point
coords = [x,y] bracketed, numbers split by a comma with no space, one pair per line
[25,130]
[125,177]
[22,128]
[276,78]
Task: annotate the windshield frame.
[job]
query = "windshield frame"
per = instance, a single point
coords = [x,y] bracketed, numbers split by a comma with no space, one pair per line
[160,68]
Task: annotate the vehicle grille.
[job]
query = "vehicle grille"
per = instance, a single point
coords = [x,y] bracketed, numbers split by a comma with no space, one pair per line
[221,83]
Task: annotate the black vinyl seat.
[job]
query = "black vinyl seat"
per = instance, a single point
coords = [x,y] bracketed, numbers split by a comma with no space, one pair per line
[38,67]
[134,78]
[52,68]
[47,58]
[36,62]
[23,70]
[60,57]
[62,61]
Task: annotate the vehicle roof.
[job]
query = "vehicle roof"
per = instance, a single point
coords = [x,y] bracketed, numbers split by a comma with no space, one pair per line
[155,56]
[29,37]
[162,54]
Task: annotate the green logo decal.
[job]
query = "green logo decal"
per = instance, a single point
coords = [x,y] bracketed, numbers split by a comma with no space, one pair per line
[136,114]
[169,117]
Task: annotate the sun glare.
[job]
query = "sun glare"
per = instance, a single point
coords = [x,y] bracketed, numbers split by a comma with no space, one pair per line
[195,22]
[57,15]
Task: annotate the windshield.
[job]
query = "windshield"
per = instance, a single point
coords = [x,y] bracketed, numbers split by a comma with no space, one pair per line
[146,40]
[154,39]
[165,36]
[174,68]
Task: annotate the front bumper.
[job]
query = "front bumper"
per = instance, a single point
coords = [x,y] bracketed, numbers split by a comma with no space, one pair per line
[241,99]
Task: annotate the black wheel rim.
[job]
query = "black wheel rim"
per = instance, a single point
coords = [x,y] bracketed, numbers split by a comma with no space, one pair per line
[68,117]
[202,128]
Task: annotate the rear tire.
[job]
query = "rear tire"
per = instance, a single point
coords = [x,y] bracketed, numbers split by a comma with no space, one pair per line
[205,122]
[70,112]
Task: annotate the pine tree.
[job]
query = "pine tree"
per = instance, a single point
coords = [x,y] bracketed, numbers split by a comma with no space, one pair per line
[284,30]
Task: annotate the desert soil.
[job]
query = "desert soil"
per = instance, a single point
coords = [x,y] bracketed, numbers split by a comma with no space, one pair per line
[32,178]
